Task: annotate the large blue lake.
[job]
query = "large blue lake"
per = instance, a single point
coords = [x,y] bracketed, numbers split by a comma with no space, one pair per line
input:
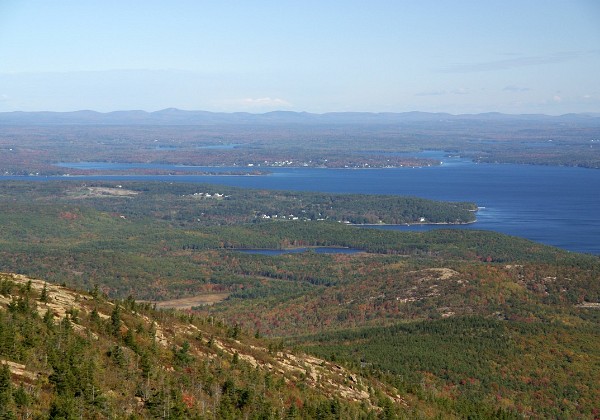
[558,206]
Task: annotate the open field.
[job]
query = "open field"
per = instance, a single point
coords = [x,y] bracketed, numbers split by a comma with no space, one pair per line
[190,302]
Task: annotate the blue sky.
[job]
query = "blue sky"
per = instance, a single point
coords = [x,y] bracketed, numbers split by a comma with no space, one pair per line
[522,56]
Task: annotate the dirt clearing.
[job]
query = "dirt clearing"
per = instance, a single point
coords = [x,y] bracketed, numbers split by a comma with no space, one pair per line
[190,302]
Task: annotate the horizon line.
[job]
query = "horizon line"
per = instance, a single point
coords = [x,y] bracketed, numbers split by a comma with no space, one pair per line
[584,113]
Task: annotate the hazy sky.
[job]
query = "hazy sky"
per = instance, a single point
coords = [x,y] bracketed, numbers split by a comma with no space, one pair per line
[523,56]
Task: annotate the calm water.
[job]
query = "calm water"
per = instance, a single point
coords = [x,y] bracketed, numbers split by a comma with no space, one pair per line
[554,205]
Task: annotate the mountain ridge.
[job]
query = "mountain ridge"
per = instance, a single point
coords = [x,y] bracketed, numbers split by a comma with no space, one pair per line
[174,116]
[108,346]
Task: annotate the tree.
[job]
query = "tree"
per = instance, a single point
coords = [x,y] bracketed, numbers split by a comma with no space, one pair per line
[182,355]
[5,392]
[115,321]
[44,294]
[22,398]
[49,319]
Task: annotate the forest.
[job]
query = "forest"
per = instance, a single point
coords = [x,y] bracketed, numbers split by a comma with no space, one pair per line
[36,145]
[67,354]
[457,323]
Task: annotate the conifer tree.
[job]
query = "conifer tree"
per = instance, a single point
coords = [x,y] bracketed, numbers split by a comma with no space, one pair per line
[5,392]
[115,321]
[44,294]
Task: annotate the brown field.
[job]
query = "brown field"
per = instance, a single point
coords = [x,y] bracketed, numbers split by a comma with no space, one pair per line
[190,302]
[88,192]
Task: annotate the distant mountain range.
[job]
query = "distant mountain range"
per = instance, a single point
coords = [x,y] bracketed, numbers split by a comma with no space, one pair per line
[173,116]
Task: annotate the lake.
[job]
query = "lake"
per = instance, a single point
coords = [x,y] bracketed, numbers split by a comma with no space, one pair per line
[557,206]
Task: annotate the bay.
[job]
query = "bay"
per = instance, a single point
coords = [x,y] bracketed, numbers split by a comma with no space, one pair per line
[558,206]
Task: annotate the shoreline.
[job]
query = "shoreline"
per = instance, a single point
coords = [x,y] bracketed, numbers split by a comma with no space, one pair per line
[413,224]
[75,176]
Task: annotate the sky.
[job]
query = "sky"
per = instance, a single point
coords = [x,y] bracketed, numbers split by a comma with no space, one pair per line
[524,56]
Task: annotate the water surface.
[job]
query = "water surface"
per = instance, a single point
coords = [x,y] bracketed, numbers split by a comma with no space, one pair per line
[558,206]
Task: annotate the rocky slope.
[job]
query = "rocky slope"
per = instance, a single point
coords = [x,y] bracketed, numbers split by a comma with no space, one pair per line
[70,354]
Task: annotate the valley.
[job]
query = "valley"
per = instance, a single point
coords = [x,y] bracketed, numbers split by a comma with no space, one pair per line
[453,322]
[299,211]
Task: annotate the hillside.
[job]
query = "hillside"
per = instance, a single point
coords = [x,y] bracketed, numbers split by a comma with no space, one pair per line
[447,323]
[67,354]
[468,337]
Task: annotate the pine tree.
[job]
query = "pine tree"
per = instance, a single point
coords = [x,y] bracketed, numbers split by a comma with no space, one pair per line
[94,316]
[22,398]
[5,392]
[115,321]
[49,319]
[44,294]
